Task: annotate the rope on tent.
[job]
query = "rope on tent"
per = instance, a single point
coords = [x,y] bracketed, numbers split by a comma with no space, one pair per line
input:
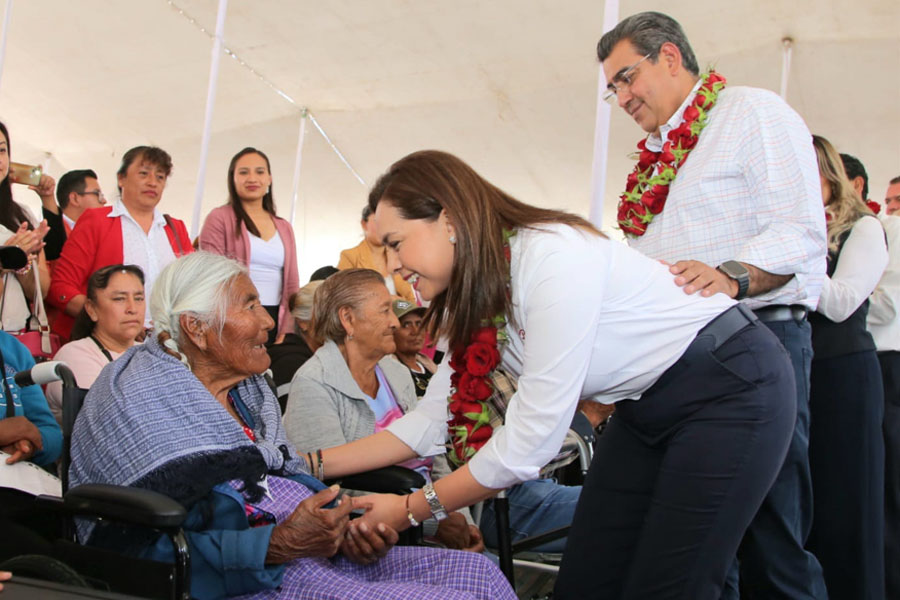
[787,48]
[275,88]
[6,15]
[601,128]
[207,121]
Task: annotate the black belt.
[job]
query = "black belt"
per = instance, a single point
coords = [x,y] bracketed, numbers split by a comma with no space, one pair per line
[728,323]
[796,312]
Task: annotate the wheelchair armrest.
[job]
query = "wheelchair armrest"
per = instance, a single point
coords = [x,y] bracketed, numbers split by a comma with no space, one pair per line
[124,504]
[387,480]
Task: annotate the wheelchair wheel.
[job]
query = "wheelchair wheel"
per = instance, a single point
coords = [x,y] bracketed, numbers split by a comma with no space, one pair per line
[45,568]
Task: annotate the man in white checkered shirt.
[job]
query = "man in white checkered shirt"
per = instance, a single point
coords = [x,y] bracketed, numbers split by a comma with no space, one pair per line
[743,217]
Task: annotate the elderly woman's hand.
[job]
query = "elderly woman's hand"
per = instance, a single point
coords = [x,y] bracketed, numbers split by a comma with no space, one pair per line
[455,533]
[365,544]
[16,429]
[311,531]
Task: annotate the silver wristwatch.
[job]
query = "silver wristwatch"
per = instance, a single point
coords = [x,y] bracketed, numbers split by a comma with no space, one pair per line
[437,509]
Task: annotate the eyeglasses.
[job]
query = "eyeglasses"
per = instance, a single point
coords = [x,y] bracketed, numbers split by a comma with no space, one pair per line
[97,193]
[621,81]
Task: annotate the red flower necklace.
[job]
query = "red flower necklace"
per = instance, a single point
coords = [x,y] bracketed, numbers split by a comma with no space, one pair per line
[648,184]
[471,415]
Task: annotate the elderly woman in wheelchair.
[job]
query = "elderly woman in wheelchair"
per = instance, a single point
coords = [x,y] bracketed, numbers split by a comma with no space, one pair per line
[188,414]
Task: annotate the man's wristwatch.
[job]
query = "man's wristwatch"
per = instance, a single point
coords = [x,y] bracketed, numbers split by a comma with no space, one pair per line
[437,509]
[739,273]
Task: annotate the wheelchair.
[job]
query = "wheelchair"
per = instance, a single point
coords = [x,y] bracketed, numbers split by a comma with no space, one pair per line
[39,542]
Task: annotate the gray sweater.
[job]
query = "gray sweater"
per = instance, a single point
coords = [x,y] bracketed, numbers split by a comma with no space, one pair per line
[326,407]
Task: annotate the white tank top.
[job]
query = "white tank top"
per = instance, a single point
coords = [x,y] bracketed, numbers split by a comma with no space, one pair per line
[267,268]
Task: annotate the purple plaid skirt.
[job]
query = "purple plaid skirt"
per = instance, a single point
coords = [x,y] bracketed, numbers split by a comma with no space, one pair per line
[416,573]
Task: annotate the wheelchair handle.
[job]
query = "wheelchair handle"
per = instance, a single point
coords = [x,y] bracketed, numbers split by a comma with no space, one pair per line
[44,373]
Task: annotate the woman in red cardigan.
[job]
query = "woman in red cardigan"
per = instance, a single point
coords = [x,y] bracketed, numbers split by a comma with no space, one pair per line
[248,230]
[131,231]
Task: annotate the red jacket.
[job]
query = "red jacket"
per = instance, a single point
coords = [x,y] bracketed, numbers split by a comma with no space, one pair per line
[96,241]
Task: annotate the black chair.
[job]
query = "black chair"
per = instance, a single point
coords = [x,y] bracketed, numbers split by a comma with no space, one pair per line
[578,446]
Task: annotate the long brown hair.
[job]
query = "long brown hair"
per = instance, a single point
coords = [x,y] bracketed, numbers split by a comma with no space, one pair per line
[423,184]
[268,202]
[845,206]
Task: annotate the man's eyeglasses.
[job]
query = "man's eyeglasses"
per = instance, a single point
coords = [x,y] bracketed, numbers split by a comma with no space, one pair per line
[97,193]
[621,81]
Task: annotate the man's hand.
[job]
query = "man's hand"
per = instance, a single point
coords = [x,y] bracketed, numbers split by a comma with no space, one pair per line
[311,531]
[695,276]
[45,188]
[15,429]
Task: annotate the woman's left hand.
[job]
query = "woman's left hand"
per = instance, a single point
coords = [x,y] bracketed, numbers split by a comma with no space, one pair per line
[364,544]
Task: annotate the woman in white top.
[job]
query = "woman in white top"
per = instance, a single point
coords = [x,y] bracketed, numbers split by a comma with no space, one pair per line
[678,474]
[18,227]
[248,230]
[846,396]
[110,321]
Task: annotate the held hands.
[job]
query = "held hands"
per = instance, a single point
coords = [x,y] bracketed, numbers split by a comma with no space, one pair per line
[695,276]
[21,450]
[311,531]
[19,438]
[365,544]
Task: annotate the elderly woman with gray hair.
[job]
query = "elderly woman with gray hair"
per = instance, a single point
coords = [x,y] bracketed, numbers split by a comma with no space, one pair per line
[187,414]
[353,386]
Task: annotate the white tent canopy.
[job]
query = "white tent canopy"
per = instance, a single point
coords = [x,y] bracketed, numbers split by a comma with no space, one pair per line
[509,85]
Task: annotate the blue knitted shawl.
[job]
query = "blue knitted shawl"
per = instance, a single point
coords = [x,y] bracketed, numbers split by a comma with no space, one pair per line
[148,422]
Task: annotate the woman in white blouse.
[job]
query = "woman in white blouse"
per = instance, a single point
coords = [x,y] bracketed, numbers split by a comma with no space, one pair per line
[846,401]
[703,415]
[248,230]
[110,321]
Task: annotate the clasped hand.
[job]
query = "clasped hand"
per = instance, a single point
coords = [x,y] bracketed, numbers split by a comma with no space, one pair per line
[315,531]
[29,240]
[19,438]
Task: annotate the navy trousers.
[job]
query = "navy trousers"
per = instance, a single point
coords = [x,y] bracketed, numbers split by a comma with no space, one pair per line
[846,453]
[679,474]
[890,374]
[774,564]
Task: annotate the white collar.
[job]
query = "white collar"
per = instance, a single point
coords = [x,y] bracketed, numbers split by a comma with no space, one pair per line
[119,210]
[655,142]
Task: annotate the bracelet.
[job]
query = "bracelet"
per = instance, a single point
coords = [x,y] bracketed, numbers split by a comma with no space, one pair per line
[321,474]
[311,463]
[409,515]
[26,269]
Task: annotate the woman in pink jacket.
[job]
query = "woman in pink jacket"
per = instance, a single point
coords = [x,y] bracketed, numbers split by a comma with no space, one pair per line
[248,230]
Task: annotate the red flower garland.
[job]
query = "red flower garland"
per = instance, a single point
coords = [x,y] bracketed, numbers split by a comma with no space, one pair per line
[471,385]
[647,186]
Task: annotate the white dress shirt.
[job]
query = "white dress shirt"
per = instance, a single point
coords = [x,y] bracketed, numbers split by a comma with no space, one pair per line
[151,251]
[748,191]
[860,265]
[884,302]
[591,319]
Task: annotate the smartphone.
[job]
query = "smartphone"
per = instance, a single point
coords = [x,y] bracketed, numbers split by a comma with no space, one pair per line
[24,174]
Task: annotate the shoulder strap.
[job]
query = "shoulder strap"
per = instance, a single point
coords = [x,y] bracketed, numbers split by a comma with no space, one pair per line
[102,348]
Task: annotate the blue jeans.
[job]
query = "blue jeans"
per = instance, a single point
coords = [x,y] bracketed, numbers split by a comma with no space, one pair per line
[534,507]
[773,562]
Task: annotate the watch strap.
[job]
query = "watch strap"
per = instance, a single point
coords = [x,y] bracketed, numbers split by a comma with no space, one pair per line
[437,509]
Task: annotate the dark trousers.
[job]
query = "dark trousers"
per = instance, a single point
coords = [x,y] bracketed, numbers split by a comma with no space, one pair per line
[273,333]
[846,453]
[679,474]
[890,374]
[773,562]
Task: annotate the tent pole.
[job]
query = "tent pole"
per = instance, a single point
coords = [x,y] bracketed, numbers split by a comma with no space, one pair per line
[787,48]
[6,16]
[296,187]
[207,121]
[601,128]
